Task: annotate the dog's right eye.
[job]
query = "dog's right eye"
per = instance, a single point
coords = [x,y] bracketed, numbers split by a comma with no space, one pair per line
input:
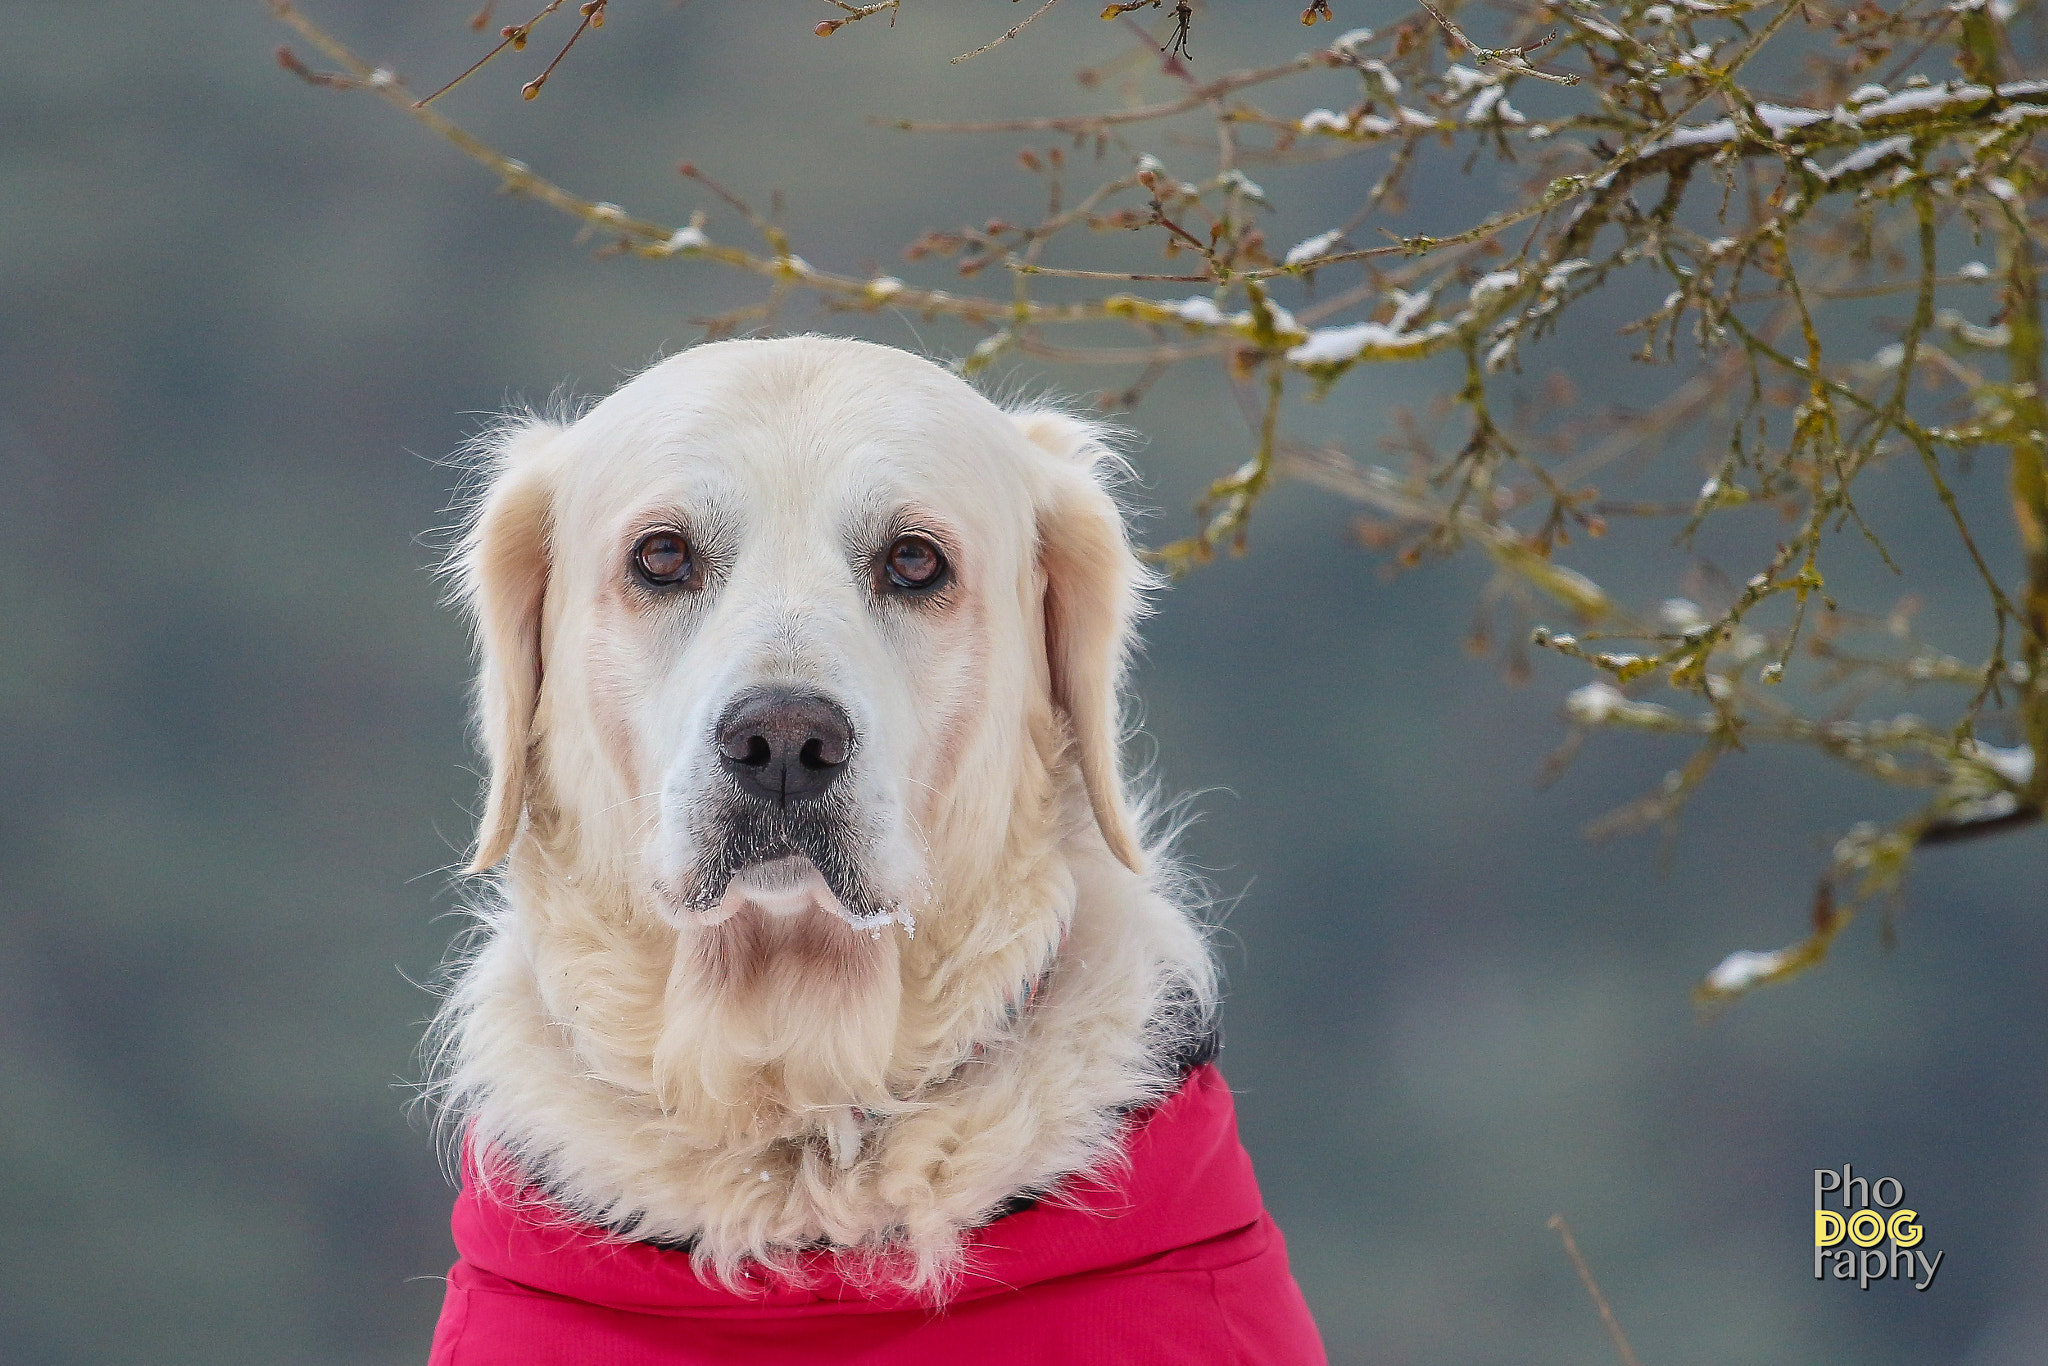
[663,559]
[915,564]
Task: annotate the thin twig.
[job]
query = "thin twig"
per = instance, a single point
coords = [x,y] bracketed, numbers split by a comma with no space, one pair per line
[593,17]
[1515,59]
[1571,1250]
[513,36]
[856,13]
[1012,32]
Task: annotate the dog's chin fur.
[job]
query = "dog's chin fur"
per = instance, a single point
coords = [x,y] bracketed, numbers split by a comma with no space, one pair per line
[761,1083]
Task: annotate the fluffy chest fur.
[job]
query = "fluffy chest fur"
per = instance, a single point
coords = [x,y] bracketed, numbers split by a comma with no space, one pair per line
[569,1055]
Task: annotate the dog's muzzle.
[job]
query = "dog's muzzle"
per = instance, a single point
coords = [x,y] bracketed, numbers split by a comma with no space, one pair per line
[783,753]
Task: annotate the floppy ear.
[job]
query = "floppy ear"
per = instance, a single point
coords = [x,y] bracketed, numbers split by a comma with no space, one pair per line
[1092,586]
[501,571]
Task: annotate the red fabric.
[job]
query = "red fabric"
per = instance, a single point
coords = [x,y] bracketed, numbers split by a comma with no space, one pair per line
[1172,1261]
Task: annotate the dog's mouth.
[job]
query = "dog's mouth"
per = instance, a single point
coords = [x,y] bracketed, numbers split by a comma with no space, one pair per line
[782,863]
[784,886]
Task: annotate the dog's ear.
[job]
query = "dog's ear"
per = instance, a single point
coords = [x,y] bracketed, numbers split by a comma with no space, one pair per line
[1093,587]
[501,574]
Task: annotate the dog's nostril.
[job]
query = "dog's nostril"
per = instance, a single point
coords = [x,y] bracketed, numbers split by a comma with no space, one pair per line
[758,752]
[812,755]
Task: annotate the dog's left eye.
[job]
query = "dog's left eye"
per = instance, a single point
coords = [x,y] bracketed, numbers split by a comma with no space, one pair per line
[915,564]
[664,559]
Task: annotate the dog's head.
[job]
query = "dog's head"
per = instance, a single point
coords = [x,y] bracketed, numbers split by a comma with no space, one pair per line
[785,641]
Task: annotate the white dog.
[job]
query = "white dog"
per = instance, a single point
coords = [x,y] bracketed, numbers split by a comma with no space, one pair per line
[825,924]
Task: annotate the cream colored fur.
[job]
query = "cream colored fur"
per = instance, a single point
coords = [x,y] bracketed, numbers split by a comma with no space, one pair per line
[752,1082]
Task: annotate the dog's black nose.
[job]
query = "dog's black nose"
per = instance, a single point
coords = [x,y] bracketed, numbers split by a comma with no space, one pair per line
[783,746]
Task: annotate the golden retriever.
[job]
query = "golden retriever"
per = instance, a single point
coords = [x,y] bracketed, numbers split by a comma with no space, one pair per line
[824,914]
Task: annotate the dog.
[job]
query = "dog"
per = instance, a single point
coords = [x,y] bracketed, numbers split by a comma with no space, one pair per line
[829,1001]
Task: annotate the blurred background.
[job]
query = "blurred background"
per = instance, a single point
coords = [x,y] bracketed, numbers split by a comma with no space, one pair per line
[242,324]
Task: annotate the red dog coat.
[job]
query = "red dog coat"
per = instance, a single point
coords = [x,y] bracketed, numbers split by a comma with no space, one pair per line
[1171,1262]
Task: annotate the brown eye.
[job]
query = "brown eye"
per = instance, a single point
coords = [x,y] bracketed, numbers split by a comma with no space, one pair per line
[915,564]
[663,559]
